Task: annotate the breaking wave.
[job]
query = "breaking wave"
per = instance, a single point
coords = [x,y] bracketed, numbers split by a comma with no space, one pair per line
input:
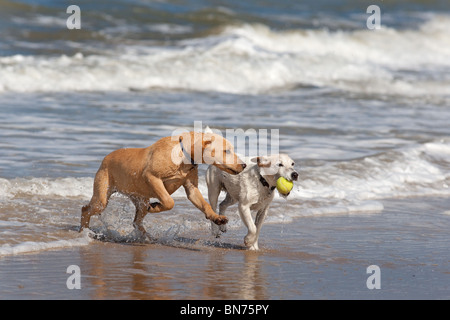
[251,59]
[418,170]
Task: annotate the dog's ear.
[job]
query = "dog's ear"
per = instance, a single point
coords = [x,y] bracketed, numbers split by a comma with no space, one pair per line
[207,141]
[208,130]
[262,162]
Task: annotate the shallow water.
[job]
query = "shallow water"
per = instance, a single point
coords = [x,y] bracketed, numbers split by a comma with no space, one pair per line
[315,257]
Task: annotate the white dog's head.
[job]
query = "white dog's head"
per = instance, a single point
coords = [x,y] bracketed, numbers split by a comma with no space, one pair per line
[277,165]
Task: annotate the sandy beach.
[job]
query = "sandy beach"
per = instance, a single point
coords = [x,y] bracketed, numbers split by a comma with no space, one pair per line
[309,258]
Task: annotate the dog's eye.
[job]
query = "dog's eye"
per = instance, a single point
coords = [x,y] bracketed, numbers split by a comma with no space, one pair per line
[280,165]
[227,151]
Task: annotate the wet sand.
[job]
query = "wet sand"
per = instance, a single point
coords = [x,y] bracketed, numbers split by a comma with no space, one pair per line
[322,257]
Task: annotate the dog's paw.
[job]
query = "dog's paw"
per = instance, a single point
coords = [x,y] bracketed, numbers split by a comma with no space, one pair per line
[151,239]
[216,230]
[250,241]
[220,220]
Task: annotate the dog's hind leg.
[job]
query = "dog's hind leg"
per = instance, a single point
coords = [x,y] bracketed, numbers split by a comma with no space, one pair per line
[214,184]
[141,211]
[99,200]
[214,187]
[260,216]
[213,195]
[228,201]
[246,216]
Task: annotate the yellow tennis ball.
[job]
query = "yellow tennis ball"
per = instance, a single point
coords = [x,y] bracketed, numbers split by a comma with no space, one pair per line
[284,186]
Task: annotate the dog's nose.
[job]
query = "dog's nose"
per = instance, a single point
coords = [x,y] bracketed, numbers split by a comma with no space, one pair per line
[244,166]
[294,176]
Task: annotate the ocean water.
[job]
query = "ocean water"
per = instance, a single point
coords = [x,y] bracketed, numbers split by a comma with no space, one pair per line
[364,113]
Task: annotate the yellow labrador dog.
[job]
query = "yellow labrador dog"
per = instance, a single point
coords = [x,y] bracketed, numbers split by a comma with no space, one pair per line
[158,171]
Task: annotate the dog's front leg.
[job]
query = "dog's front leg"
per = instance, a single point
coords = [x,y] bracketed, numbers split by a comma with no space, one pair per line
[195,196]
[142,207]
[246,216]
[165,200]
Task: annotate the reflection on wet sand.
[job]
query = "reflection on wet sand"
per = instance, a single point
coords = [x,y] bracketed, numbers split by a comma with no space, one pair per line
[313,257]
[137,271]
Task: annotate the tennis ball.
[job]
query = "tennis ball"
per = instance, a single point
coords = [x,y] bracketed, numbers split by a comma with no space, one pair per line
[284,186]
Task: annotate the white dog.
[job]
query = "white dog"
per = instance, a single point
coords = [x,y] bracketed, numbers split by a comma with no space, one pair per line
[253,188]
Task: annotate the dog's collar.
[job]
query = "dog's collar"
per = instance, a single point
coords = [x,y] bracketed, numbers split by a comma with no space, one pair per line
[187,155]
[265,183]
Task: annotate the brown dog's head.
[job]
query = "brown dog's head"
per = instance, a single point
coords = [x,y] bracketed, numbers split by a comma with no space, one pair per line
[219,152]
[213,149]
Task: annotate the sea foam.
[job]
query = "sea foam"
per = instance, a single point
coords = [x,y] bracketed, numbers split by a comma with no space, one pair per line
[60,187]
[34,246]
[417,170]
